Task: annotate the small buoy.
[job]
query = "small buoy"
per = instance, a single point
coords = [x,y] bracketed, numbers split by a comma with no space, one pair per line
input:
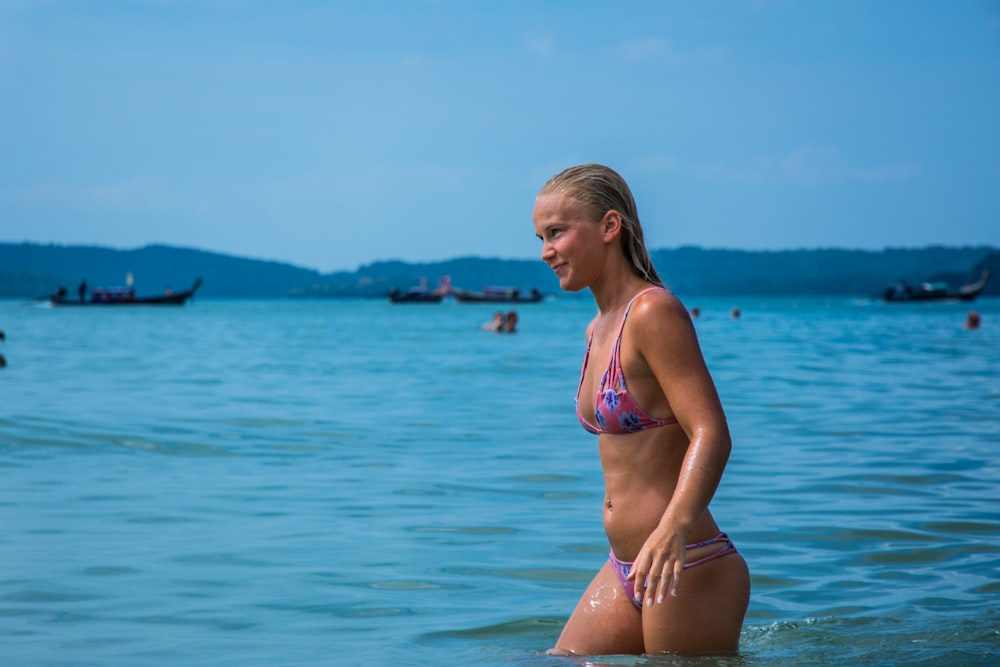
[695,312]
[972,321]
[736,313]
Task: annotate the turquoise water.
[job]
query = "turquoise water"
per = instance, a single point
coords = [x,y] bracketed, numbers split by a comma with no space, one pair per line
[357,483]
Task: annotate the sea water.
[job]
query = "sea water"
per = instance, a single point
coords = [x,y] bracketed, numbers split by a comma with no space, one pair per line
[351,482]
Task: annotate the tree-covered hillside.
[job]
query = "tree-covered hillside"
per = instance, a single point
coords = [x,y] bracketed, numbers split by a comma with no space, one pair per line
[32,270]
[28,269]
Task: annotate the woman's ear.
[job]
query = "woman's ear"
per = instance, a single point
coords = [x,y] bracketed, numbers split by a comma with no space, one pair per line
[611,225]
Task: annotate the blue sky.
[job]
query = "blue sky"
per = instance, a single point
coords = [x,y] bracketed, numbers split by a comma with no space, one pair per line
[333,134]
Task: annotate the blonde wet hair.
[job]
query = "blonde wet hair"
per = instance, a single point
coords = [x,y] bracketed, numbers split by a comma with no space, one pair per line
[601,189]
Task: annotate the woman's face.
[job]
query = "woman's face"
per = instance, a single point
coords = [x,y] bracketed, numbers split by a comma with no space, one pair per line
[571,241]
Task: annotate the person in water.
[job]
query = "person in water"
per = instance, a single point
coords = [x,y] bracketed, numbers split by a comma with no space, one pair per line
[510,322]
[497,323]
[673,581]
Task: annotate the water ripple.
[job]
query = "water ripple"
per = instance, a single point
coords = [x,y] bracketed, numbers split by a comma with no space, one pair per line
[350,479]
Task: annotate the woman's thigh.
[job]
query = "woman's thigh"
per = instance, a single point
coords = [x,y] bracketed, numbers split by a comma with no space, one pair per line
[604,622]
[707,614]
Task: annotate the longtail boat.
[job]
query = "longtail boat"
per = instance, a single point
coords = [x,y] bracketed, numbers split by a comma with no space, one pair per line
[120,297]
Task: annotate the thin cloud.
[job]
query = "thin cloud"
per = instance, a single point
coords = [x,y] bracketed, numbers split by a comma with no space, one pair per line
[138,194]
[647,49]
[661,50]
[541,44]
[904,171]
[808,165]
[655,164]
[133,193]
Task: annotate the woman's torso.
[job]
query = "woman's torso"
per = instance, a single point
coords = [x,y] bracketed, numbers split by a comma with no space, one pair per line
[641,468]
[640,476]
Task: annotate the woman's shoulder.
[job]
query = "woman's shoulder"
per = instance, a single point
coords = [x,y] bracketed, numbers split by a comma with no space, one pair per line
[659,311]
[658,302]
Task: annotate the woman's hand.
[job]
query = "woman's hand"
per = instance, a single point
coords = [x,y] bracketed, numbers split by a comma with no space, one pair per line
[659,565]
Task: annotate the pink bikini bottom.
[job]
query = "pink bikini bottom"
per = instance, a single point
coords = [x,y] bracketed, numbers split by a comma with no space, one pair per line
[622,568]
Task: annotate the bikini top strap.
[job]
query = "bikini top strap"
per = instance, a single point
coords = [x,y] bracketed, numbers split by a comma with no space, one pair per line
[586,362]
[614,367]
[629,307]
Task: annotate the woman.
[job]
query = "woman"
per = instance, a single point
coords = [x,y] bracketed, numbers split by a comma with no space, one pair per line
[673,581]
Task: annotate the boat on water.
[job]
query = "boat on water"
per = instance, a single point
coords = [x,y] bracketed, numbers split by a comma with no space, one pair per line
[421,293]
[497,295]
[122,297]
[415,295]
[938,291]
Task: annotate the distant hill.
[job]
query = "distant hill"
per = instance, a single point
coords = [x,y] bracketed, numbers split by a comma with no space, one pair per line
[28,269]
[31,270]
[834,272]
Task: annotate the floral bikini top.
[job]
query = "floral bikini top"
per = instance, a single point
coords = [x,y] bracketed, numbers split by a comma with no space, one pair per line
[615,410]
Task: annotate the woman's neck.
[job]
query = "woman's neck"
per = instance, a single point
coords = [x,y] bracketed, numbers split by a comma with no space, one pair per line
[616,289]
